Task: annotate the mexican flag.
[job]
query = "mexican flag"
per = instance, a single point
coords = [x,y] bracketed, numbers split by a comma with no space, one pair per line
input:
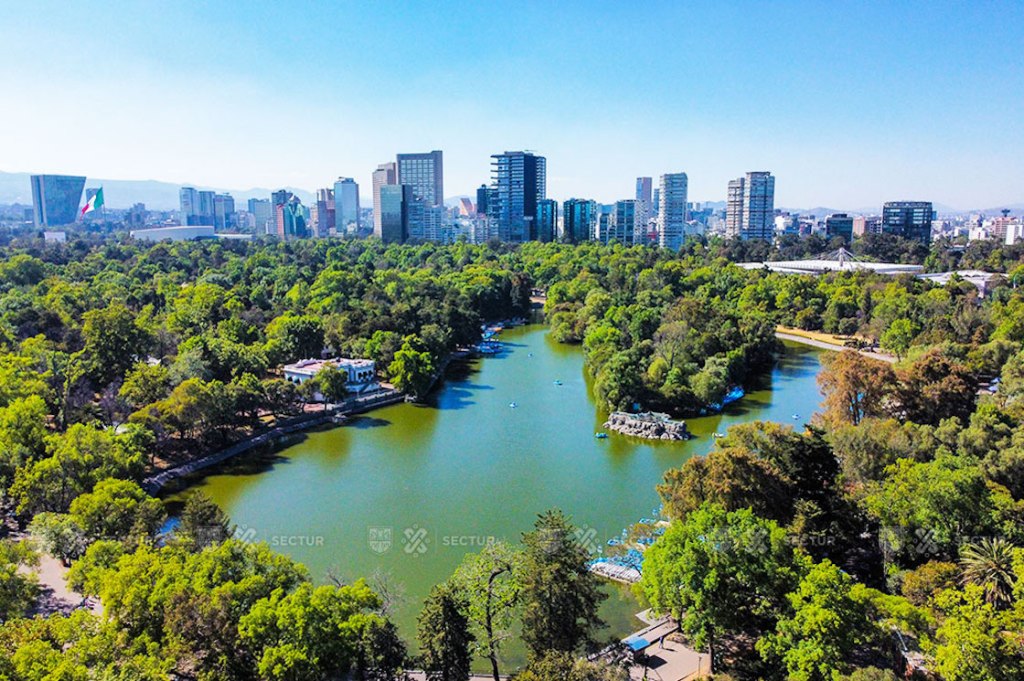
[92,204]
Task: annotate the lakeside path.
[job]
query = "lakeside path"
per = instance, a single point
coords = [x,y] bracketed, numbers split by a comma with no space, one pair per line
[814,343]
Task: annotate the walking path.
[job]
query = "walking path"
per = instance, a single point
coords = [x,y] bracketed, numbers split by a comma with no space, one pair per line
[665,659]
[831,346]
[54,594]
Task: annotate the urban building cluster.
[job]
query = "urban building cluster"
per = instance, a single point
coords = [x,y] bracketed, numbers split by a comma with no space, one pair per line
[408,204]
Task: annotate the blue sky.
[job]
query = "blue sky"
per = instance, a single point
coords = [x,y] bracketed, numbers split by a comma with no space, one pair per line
[848,104]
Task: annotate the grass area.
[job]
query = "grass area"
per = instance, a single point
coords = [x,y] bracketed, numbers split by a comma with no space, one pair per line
[834,339]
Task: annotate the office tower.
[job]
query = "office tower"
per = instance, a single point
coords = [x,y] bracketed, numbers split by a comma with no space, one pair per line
[395,202]
[908,219]
[346,205]
[547,218]
[481,199]
[673,210]
[207,208]
[867,225]
[223,211]
[385,174]
[425,174]
[189,205]
[750,210]
[644,190]
[324,222]
[518,182]
[280,197]
[55,199]
[625,225]
[656,204]
[292,219]
[604,223]
[839,224]
[262,212]
[579,217]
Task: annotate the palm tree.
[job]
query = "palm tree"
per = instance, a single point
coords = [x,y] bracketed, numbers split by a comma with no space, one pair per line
[989,564]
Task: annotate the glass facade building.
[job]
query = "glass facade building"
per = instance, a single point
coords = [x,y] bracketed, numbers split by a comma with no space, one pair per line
[56,199]
[579,219]
[518,182]
[908,219]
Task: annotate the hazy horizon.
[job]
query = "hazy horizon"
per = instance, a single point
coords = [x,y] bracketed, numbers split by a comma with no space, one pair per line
[848,106]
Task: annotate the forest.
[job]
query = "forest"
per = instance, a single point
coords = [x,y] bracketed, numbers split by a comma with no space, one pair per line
[895,518]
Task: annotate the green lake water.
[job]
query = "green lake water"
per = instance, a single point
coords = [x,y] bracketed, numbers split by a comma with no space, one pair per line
[409,489]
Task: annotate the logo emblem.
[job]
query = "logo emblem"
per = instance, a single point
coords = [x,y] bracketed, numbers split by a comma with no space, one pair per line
[380,539]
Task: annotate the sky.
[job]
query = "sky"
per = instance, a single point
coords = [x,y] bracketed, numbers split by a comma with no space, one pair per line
[848,104]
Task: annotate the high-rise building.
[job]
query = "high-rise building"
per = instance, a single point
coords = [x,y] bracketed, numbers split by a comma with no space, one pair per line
[189,204]
[224,211]
[55,199]
[292,219]
[908,219]
[262,212]
[395,201]
[674,211]
[603,223]
[547,218]
[207,208]
[625,226]
[750,210]
[656,205]
[425,174]
[579,218]
[346,205]
[518,182]
[839,224]
[481,199]
[644,200]
[385,174]
[324,221]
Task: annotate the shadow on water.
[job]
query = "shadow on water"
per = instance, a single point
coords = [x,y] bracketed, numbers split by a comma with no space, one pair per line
[364,422]
[253,462]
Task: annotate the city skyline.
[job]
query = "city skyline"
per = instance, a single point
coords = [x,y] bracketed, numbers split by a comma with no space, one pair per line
[828,121]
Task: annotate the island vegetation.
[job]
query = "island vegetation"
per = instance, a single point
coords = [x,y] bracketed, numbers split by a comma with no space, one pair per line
[896,515]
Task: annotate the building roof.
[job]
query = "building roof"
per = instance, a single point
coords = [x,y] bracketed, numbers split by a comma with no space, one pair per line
[837,261]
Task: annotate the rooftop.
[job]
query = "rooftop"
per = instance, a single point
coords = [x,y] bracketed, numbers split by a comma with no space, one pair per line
[837,261]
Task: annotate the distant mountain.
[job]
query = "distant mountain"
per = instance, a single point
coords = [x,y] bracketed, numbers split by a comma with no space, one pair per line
[15,188]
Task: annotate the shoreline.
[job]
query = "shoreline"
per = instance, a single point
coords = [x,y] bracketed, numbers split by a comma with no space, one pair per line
[822,345]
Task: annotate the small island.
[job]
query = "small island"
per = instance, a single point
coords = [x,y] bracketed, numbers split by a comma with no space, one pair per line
[648,425]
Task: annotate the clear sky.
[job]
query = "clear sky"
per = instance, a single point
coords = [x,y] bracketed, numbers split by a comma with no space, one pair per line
[848,103]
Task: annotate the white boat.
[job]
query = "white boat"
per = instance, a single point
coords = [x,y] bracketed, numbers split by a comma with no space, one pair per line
[513,405]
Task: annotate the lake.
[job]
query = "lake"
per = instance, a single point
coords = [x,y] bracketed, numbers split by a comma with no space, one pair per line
[409,489]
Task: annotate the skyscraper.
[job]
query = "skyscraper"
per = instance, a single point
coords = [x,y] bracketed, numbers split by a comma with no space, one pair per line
[325,215]
[223,211]
[625,224]
[673,212]
[547,218]
[579,218]
[395,201]
[346,205]
[518,182]
[189,204]
[55,199]
[207,208]
[908,219]
[262,212]
[750,210]
[425,174]
[481,199]
[385,174]
[292,219]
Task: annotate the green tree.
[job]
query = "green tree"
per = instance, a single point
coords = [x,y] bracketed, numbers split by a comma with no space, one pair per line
[113,342]
[202,522]
[975,641]
[444,635]
[332,384]
[413,369]
[145,384]
[490,581]
[721,574]
[989,563]
[560,595]
[117,509]
[898,337]
[292,337]
[855,387]
[560,666]
[830,619]
[18,588]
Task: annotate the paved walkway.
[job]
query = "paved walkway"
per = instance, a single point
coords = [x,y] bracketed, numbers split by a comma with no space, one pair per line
[55,596]
[832,346]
